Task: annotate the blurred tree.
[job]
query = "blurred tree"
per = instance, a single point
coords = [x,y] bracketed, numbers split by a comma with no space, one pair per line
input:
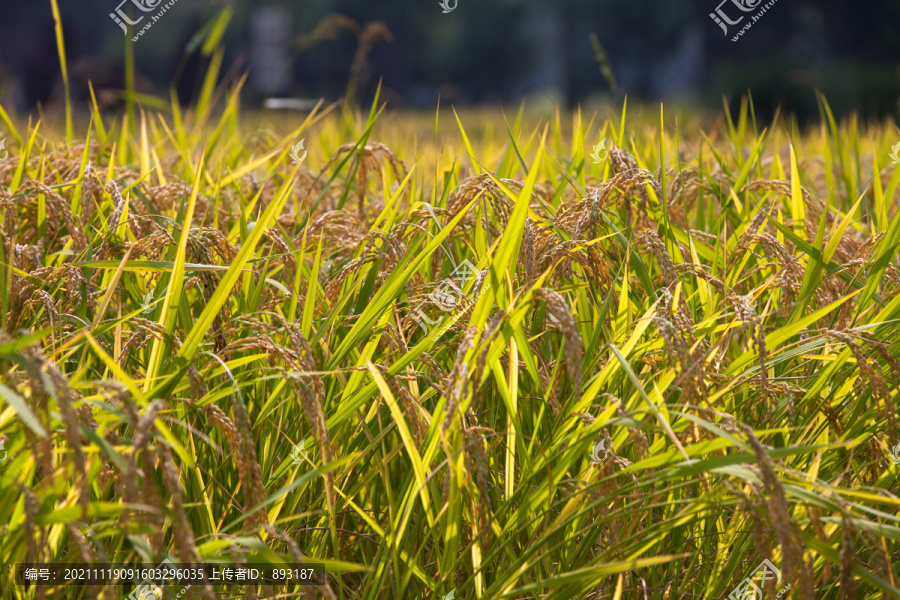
[498,50]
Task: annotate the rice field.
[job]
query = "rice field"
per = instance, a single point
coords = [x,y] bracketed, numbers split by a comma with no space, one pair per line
[477,355]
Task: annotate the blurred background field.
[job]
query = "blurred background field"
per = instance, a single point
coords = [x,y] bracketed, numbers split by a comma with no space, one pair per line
[481,53]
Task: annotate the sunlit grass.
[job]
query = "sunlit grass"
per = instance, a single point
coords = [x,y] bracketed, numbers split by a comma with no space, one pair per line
[183,305]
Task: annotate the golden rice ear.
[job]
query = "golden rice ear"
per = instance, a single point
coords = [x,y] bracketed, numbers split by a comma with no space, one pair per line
[794,562]
[561,318]
[873,376]
[370,158]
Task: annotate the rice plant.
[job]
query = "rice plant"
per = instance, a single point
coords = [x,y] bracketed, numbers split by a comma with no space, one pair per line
[452,355]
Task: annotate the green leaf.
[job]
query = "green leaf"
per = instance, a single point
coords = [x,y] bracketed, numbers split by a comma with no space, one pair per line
[28,418]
